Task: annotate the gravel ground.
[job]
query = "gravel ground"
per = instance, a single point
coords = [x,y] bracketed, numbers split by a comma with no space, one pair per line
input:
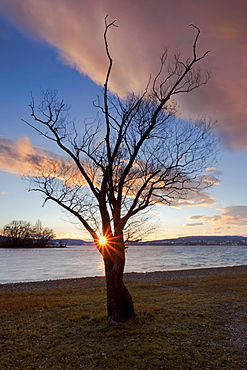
[148,277]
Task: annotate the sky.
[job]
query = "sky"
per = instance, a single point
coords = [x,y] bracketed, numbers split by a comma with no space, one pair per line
[58,44]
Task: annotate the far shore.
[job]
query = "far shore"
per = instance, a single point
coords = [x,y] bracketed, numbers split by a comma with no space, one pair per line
[31,246]
[130,278]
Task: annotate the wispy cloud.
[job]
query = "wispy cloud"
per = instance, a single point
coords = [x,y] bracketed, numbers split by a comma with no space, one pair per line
[195,217]
[154,212]
[75,29]
[194,224]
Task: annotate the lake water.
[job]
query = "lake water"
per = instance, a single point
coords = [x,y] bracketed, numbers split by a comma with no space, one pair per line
[19,265]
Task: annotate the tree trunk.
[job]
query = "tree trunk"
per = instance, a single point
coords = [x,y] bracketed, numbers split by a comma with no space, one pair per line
[119,301]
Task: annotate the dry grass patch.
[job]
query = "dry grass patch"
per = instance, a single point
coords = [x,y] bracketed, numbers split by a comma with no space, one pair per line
[190,324]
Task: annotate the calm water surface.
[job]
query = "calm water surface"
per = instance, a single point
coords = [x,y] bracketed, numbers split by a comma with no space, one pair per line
[19,265]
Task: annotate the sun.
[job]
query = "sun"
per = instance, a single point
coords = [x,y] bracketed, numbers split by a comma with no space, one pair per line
[102,240]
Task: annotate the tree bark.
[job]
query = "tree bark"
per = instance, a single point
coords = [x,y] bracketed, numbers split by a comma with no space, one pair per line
[119,301]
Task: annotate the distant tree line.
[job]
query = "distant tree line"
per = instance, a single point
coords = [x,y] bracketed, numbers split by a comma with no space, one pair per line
[24,234]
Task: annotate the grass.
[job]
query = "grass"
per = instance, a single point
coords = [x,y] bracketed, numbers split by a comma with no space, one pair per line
[190,324]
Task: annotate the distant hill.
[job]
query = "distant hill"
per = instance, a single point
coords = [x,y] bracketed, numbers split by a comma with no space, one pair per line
[184,240]
[71,242]
[202,240]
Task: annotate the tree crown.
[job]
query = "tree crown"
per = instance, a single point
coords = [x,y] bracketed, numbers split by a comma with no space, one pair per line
[137,152]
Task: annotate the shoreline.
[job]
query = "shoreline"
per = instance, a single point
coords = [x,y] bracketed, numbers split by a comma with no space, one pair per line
[130,277]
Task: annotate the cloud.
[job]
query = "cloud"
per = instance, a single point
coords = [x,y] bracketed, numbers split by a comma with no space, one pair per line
[75,28]
[214,171]
[22,158]
[194,224]
[231,217]
[4,193]
[210,180]
[15,156]
[154,212]
[195,199]
[195,217]
[211,177]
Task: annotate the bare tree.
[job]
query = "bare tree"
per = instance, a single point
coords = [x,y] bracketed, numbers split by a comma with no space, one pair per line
[136,154]
[17,232]
[43,236]
[23,234]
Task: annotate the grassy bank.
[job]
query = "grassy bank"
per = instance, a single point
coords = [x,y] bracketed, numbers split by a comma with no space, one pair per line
[182,324]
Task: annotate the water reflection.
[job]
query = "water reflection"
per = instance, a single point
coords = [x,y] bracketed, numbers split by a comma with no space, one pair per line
[101,267]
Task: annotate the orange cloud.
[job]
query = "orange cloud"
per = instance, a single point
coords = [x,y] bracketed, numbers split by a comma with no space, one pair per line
[75,29]
[22,158]
[15,157]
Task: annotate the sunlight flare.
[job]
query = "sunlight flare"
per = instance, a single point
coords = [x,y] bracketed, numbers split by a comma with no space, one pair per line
[102,240]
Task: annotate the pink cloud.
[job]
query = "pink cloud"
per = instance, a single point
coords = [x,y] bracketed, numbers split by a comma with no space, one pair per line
[195,199]
[75,29]
[231,218]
